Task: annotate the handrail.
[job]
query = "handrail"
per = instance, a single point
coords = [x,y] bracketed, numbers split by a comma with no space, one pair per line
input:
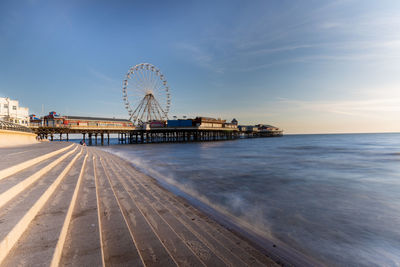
[5,125]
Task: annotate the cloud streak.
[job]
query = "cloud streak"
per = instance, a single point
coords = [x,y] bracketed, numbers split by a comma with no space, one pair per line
[102,76]
[371,108]
[201,57]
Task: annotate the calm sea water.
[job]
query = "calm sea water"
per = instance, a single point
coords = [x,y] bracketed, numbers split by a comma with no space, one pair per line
[335,198]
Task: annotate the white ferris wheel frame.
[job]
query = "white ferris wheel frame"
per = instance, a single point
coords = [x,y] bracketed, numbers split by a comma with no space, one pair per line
[148,98]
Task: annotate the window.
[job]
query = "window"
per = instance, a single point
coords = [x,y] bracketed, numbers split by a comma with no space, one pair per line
[14,107]
[5,105]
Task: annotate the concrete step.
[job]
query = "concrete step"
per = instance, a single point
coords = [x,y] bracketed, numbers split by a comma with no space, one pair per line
[151,248]
[181,243]
[14,179]
[30,151]
[37,245]
[222,240]
[118,247]
[184,226]
[25,159]
[18,214]
[14,210]
[12,185]
[82,243]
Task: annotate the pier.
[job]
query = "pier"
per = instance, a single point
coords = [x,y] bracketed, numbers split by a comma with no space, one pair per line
[101,136]
[97,131]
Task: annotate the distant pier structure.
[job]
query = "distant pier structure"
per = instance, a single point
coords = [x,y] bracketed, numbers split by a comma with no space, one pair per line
[97,131]
[259,130]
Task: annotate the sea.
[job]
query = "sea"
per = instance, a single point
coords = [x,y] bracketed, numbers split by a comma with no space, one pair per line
[334,198]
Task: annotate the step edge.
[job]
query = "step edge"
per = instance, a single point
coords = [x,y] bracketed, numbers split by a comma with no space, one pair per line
[67,221]
[188,227]
[98,211]
[15,190]
[14,235]
[26,164]
[168,250]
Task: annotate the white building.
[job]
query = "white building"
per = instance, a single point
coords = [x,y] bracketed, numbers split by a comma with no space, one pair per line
[12,112]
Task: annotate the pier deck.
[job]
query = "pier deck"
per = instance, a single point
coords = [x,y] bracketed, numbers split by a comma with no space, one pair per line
[79,206]
[127,135]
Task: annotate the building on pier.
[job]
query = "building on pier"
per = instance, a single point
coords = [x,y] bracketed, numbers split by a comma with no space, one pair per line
[248,128]
[201,123]
[180,123]
[230,125]
[263,130]
[55,124]
[35,121]
[205,122]
[78,122]
[269,130]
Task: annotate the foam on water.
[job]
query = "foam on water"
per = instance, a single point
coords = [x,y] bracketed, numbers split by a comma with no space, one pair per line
[335,198]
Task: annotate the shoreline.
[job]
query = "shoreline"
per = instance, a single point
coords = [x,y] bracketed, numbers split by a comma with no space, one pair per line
[129,219]
[212,214]
[275,249]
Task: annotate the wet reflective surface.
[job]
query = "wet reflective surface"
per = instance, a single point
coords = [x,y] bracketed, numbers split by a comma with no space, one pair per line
[335,198]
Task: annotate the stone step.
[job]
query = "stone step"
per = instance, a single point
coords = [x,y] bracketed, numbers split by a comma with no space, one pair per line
[151,248]
[182,244]
[37,245]
[14,179]
[14,210]
[82,243]
[68,217]
[17,183]
[176,218]
[18,153]
[18,214]
[23,160]
[201,224]
[117,245]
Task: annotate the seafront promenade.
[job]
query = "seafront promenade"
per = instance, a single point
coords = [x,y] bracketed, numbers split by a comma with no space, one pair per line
[65,204]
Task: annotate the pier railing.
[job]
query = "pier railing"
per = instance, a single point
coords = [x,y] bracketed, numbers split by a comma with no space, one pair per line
[5,125]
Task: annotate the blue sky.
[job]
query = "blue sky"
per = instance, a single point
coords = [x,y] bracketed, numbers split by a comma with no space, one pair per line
[306,66]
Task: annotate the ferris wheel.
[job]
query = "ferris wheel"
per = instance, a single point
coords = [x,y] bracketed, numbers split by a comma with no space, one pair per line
[146,94]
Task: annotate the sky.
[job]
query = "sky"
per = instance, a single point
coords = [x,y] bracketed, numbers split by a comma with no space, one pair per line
[307,66]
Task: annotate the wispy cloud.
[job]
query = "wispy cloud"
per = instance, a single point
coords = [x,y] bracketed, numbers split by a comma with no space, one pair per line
[271,50]
[371,108]
[102,76]
[199,56]
[331,25]
[354,51]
